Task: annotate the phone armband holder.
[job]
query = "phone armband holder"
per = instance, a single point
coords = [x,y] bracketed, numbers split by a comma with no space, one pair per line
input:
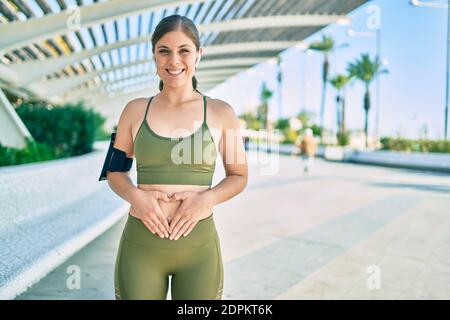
[116,160]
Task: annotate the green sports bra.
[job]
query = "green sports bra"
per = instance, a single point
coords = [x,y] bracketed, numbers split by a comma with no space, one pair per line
[168,160]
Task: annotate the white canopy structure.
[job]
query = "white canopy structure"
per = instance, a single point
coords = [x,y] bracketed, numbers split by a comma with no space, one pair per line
[100,51]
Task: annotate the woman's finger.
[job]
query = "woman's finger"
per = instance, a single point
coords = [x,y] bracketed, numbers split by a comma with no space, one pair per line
[149,226]
[163,220]
[174,222]
[165,223]
[178,196]
[182,230]
[162,231]
[177,227]
[191,226]
[164,196]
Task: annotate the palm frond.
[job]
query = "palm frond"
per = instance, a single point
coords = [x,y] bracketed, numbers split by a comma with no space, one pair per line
[325,45]
[365,69]
[339,81]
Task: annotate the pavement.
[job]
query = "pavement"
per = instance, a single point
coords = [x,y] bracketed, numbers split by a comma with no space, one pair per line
[340,231]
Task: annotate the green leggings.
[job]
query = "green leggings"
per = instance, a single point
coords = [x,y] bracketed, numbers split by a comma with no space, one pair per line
[144,262]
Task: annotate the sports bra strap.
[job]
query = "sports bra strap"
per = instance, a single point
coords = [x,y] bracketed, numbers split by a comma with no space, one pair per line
[204,109]
[146,110]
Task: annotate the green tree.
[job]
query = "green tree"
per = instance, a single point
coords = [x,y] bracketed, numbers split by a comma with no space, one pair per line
[325,46]
[366,70]
[280,85]
[251,120]
[339,82]
[263,109]
[305,117]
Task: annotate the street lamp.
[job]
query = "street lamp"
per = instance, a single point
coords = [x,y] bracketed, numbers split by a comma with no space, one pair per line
[305,85]
[441,5]
[431,4]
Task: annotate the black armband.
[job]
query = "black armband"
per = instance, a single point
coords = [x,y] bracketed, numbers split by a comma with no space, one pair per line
[116,160]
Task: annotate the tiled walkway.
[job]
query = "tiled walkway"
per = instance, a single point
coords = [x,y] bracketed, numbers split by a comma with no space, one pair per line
[343,231]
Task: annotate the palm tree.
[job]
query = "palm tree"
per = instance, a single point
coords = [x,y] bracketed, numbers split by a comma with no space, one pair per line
[325,46]
[339,82]
[279,80]
[366,70]
[263,109]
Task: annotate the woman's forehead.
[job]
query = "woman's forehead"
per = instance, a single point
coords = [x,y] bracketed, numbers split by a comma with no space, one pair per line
[175,39]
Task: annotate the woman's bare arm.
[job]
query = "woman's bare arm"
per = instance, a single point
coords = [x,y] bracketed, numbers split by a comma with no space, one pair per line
[120,182]
[231,148]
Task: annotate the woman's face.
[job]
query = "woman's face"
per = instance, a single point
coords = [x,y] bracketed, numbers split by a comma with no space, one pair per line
[175,58]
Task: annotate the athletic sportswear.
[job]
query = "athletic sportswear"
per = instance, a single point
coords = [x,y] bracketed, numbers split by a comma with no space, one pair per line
[168,160]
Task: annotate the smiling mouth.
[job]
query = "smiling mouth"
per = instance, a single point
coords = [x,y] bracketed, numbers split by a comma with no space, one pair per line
[175,74]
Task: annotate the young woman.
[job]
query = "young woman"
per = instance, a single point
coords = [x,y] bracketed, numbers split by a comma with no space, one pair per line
[174,137]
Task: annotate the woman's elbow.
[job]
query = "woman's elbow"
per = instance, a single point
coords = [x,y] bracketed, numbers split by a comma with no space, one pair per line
[244,182]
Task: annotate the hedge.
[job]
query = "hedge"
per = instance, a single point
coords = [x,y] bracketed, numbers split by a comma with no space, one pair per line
[58,132]
[401,144]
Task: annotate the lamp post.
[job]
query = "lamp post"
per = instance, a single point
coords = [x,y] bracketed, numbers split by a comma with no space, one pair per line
[303,49]
[441,5]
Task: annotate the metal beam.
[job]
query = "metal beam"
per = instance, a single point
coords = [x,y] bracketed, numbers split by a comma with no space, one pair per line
[203,78]
[64,84]
[26,73]
[21,33]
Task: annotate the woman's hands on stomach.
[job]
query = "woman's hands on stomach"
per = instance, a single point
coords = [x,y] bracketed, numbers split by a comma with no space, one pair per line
[145,206]
[193,203]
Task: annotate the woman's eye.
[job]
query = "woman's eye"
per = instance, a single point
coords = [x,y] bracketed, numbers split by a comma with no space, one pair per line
[165,51]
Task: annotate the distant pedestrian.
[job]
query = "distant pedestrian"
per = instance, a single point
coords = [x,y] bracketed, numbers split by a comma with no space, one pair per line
[246,142]
[308,147]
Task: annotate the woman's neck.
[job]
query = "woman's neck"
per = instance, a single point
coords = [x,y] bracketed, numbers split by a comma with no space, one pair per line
[173,96]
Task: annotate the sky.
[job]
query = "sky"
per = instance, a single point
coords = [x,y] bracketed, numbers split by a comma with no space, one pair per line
[412,94]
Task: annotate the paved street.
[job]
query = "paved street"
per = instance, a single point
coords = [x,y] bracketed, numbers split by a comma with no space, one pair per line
[342,231]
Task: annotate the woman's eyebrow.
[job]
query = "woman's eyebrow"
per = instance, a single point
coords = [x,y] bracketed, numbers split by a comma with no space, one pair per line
[183,45]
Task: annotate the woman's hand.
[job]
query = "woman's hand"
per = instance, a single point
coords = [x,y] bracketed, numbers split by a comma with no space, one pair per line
[145,207]
[194,207]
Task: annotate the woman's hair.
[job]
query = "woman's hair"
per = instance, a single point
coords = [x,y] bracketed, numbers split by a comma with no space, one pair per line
[173,23]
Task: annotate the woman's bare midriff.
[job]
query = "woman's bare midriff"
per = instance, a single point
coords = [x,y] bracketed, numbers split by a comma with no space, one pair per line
[169,208]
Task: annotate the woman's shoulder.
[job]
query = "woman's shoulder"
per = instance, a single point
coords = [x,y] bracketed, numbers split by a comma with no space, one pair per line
[135,107]
[220,107]
[224,113]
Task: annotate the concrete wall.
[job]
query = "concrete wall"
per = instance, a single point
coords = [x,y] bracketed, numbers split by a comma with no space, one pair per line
[413,160]
[409,160]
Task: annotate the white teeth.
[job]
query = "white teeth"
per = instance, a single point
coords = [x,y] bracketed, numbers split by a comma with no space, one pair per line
[175,72]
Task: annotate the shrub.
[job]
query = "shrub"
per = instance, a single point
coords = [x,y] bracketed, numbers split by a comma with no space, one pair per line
[33,152]
[70,129]
[58,132]
[402,144]
[290,136]
[343,138]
